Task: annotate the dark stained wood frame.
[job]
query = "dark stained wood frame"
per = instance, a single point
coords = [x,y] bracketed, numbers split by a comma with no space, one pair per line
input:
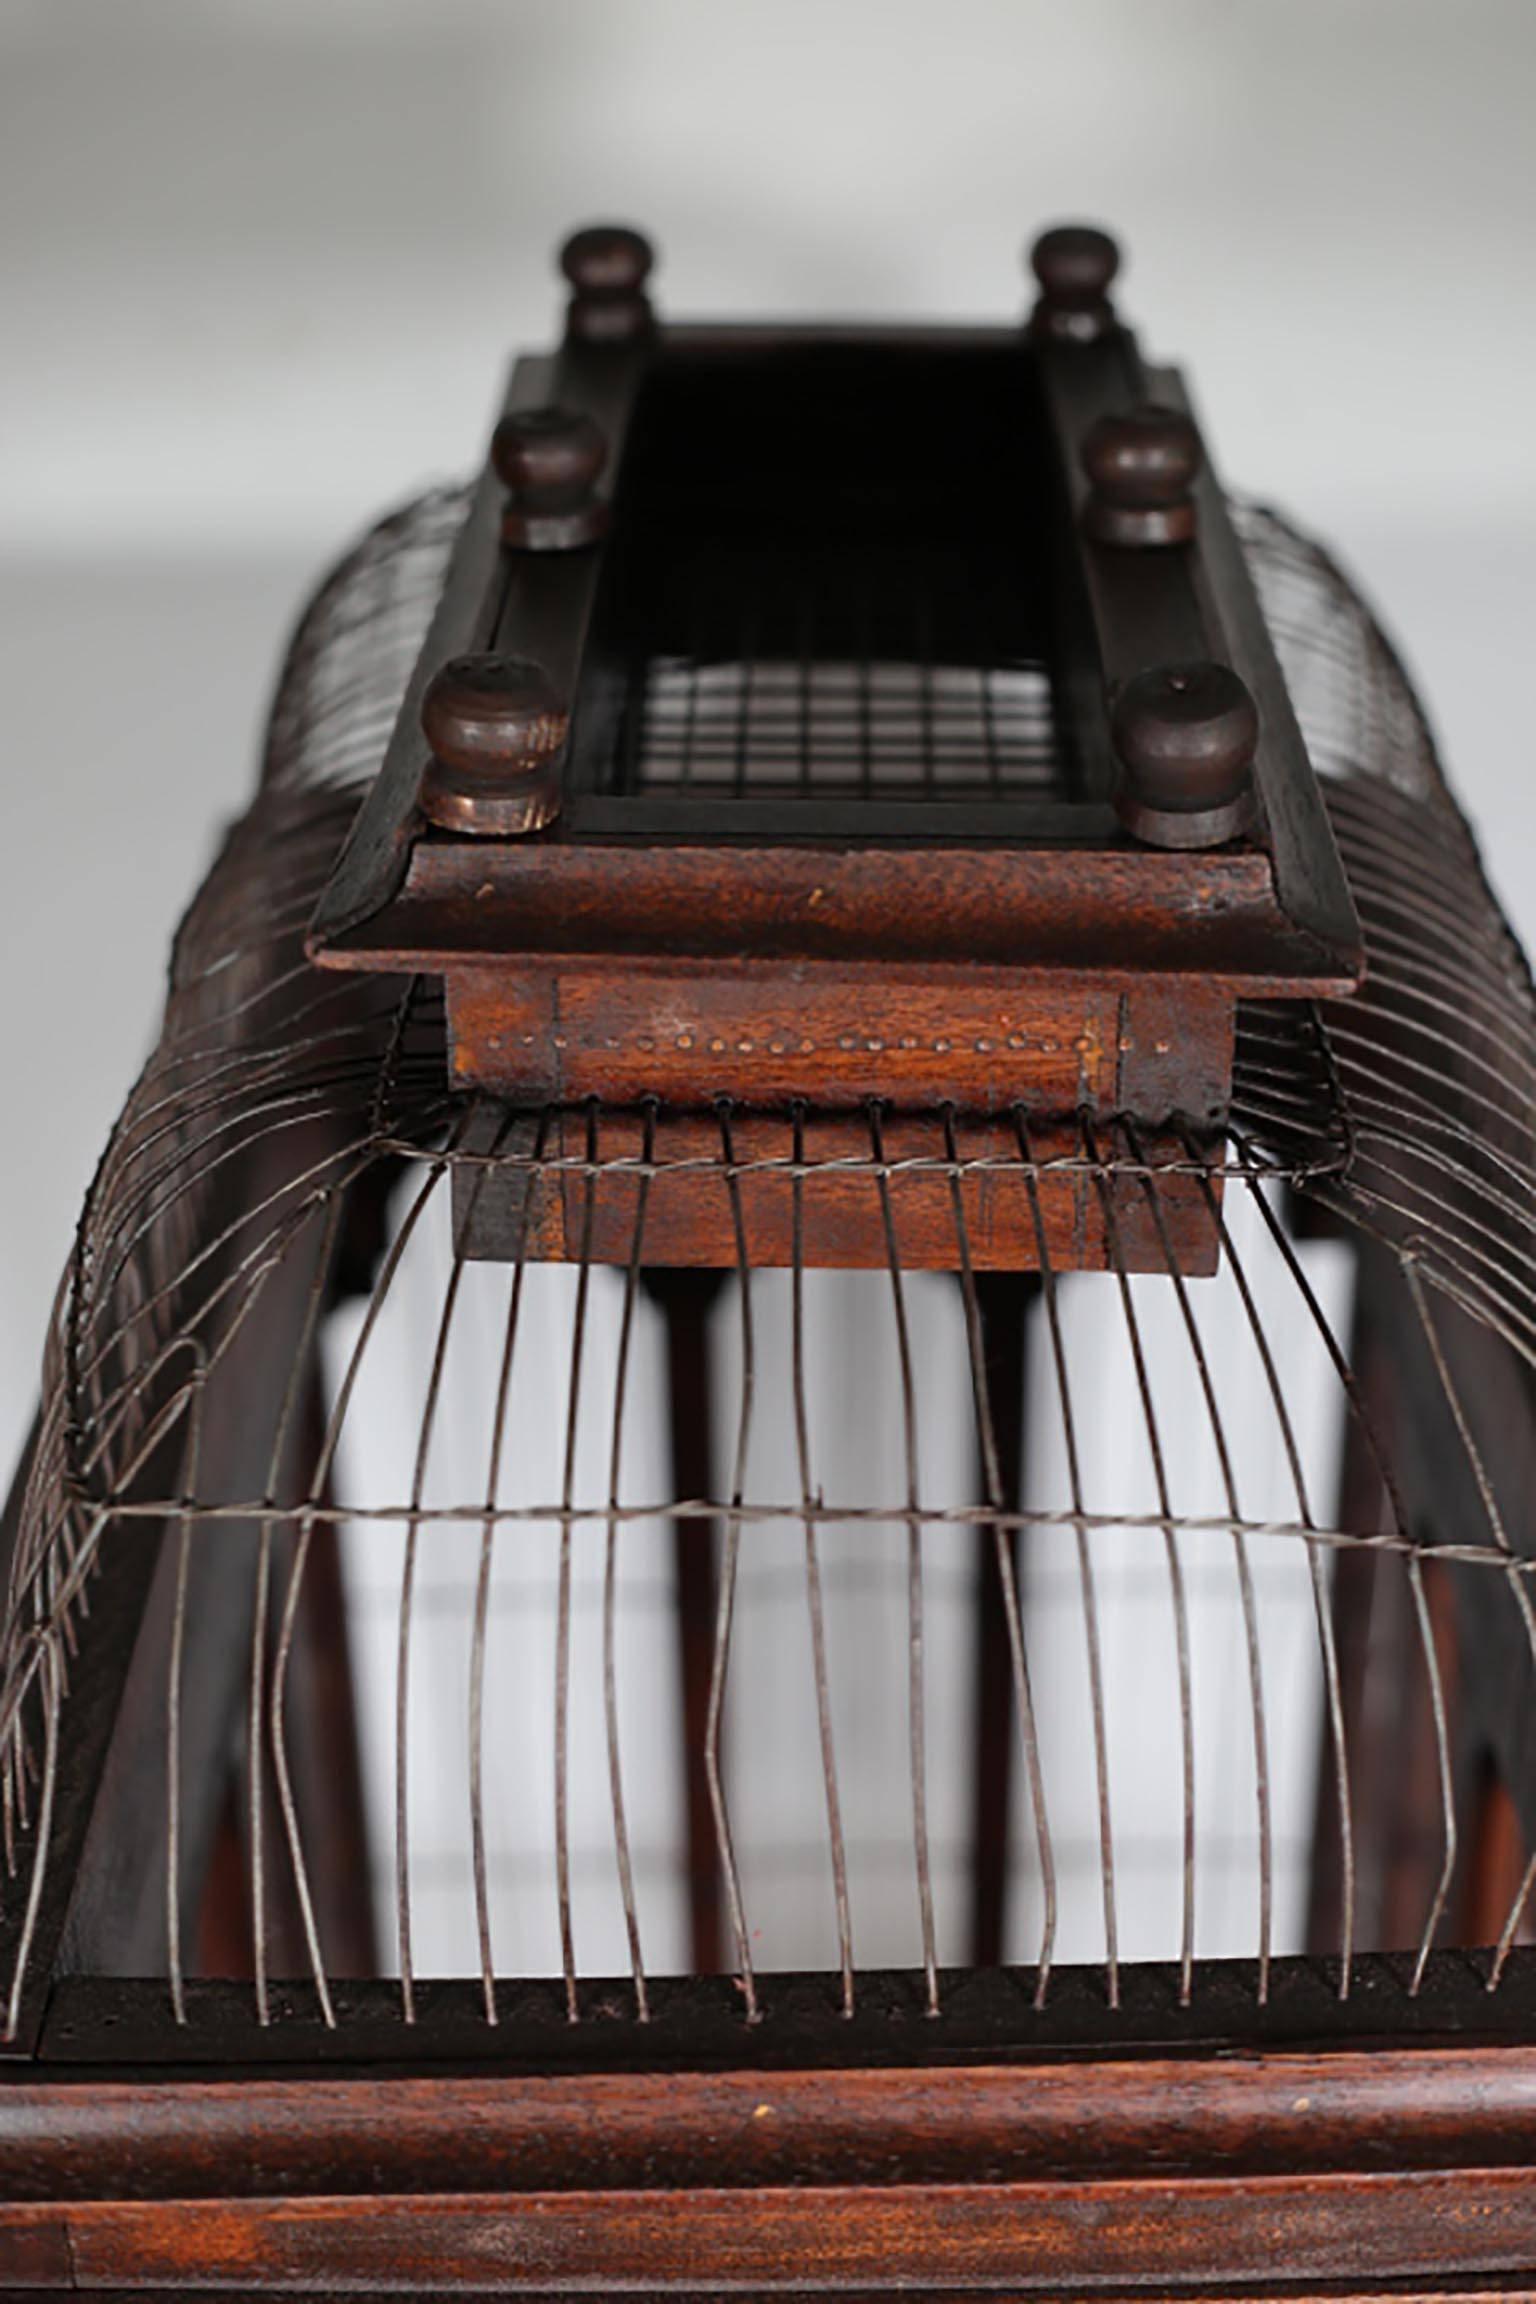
[1306,2147]
[1309,2146]
[1357,2170]
[989,956]
[694,946]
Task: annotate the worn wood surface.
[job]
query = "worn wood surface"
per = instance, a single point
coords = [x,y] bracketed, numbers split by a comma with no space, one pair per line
[688,943]
[578,1199]
[1388,2164]
[1349,2110]
[1397,2165]
[1031,2238]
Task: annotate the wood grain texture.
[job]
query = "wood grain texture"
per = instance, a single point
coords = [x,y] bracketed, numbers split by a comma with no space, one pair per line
[503,1209]
[834,1043]
[1030,2238]
[1240,2114]
[956,902]
[1377,2166]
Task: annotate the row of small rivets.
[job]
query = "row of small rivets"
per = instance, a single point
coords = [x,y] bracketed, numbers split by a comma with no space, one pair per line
[847,1043]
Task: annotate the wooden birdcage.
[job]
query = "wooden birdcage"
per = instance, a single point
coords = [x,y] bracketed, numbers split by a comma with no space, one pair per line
[780,1530]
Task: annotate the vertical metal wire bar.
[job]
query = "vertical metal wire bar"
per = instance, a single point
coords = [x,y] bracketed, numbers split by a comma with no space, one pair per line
[173,1774]
[8,1805]
[916,1730]
[51,1697]
[1087,1584]
[993,1481]
[610,1577]
[1517,1586]
[483,1585]
[1511,1925]
[174,1663]
[986,680]
[924,660]
[1374,1446]
[1170,1542]
[407,1602]
[256,1764]
[1328,1640]
[1443,1756]
[805,678]
[744,702]
[1239,1546]
[299,1376]
[813,1568]
[865,702]
[563,1595]
[725,1607]
[381,1288]
[1320,1590]
[1321,1610]
[25,1772]
[691,706]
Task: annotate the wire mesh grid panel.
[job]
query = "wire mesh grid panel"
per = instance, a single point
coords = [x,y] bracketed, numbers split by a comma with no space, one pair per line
[668,1662]
[828,727]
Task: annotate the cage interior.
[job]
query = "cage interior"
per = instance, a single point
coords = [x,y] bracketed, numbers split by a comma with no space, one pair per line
[830,576]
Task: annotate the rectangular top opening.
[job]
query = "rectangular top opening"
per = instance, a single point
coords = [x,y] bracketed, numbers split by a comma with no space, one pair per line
[830,576]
